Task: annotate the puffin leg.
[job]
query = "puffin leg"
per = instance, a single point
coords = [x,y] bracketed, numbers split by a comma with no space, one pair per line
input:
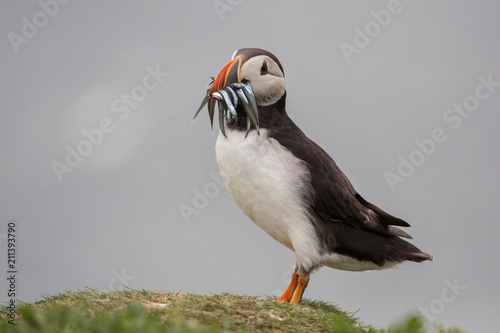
[301,286]
[287,295]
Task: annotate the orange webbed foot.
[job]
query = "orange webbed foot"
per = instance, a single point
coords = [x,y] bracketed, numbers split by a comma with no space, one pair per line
[295,289]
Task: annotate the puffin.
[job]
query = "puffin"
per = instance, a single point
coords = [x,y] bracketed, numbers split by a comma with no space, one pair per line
[288,185]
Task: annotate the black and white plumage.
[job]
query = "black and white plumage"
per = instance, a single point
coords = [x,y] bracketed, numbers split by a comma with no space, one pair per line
[289,186]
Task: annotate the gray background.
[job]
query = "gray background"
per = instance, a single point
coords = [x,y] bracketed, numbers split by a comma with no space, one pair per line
[115,220]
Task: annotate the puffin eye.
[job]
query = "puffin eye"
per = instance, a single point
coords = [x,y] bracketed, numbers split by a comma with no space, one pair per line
[264,69]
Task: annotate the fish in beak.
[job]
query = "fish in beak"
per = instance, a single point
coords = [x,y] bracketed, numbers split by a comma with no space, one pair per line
[227,90]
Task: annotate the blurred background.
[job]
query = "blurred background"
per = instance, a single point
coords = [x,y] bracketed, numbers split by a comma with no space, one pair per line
[111,186]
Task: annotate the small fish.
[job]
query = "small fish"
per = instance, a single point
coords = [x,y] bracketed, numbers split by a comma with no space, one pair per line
[227,99]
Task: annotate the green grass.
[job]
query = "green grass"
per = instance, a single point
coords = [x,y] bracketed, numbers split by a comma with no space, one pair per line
[147,311]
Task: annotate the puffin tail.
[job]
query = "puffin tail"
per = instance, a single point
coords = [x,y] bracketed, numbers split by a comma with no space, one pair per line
[421,256]
[400,250]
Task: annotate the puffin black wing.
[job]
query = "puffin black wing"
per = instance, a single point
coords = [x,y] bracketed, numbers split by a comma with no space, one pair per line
[334,198]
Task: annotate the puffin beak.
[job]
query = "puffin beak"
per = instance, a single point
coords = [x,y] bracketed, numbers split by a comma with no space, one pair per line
[229,89]
[229,74]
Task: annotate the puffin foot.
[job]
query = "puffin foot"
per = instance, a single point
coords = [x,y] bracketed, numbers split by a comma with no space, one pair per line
[295,289]
[287,295]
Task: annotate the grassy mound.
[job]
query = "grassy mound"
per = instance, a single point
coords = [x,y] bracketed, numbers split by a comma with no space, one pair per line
[148,311]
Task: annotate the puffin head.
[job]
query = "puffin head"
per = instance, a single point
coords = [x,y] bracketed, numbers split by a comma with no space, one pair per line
[261,68]
[253,79]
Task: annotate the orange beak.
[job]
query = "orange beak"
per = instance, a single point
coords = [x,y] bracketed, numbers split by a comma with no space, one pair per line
[241,94]
[229,74]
